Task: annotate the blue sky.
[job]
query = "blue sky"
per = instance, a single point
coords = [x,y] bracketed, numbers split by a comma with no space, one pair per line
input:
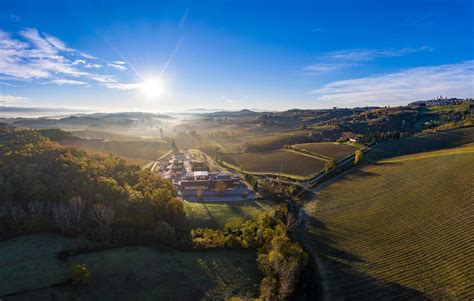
[233,54]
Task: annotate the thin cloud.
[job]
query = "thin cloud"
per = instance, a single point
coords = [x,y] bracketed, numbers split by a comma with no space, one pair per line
[13,99]
[117,67]
[47,59]
[342,59]
[455,80]
[68,82]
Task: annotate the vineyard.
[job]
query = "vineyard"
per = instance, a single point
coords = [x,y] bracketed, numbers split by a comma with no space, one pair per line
[425,143]
[283,162]
[327,149]
[399,229]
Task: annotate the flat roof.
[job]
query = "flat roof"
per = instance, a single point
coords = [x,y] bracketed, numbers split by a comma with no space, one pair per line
[201,173]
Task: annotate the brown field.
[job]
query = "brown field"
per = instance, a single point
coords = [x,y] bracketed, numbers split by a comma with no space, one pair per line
[277,161]
[135,150]
[401,229]
[328,149]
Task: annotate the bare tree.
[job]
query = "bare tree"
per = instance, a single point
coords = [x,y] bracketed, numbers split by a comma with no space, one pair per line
[104,216]
[34,209]
[76,205]
[62,217]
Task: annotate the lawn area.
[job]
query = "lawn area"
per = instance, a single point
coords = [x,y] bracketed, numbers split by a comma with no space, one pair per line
[276,162]
[333,150]
[128,273]
[399,229]
[216,215]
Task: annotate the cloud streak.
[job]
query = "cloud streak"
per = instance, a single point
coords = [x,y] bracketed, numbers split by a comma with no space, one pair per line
[47,59]
[342,59]
[454,80]
[12,99]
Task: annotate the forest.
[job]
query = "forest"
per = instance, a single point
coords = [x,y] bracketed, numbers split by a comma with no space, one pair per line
[45,186]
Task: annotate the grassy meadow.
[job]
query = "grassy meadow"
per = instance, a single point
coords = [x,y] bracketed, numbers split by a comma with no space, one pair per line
[216,215]
[29,265]
[328,150]
[399,229]
[276,162]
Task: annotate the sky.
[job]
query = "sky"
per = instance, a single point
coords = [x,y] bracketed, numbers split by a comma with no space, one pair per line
[163,56]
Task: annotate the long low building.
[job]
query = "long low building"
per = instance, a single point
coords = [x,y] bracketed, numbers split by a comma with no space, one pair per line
[208,180]
[178,169]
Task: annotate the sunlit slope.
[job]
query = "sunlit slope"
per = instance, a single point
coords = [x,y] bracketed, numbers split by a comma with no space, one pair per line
[403,228]
[422,143]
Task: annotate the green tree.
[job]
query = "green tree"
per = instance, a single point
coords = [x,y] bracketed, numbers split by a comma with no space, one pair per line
[80,274]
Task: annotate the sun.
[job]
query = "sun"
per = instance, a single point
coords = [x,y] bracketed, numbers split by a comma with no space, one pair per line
[152,88]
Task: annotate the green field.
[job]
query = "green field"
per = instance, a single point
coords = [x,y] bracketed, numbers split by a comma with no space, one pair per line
[425,143]
[399,229]
[276,162]
[216,215]
[29,265]
[333,150]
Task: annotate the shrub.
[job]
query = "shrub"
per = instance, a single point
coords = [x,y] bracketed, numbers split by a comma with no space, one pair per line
[80,275]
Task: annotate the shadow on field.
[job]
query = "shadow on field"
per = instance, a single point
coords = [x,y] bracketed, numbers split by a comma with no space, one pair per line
[345,281]
[359,173]
[213,219]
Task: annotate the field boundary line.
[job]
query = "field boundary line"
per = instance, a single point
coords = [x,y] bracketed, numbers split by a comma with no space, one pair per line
[417,157]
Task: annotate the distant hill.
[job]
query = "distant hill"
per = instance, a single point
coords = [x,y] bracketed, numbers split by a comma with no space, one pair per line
[233,114]
[112,121]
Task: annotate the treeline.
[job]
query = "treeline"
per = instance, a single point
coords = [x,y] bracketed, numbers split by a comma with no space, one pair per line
[47,187]
[280,260]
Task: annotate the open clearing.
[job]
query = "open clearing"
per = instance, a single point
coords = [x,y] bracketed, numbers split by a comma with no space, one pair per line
[333,150]
[399,229]
[130,273]
[216,215]
[276,162]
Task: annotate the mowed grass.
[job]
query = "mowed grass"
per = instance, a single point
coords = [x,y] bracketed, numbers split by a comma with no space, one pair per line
[216,215]
[399,229]
[418,144]
[333,150]
[128,273]
[276,162]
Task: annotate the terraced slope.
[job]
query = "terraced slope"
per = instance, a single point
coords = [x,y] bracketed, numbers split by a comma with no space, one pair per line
[399,229]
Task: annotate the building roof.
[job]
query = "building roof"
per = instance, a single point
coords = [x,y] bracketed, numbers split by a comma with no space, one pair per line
[201,174]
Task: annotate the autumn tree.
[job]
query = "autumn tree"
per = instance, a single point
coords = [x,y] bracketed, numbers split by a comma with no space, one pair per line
[221,187]
[358,156]
[200,193]
[330,164]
